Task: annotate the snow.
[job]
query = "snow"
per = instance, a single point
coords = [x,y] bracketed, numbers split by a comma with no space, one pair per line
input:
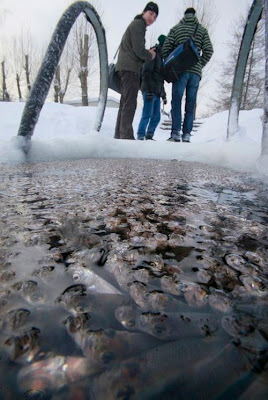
[66,132]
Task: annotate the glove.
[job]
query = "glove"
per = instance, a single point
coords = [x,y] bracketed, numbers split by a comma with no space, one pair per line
[164,101]
[149,96]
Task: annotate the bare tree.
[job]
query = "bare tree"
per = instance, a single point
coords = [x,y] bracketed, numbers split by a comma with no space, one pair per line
[15,61]
[27,71]
[83,51]
[57,85]
[6,96]
[86,60]
[85,64]
[29,51]
[252,95]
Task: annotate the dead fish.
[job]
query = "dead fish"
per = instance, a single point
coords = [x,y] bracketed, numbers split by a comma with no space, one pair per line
[176,239]
[5,296]
[155,262]
[243,328]
[255,258]
[7,276]
[171,284]
[23,348]
[107,346]
[30,290]
[127,315]
[225,280]
[235,261]
[154,300]
[15,319]
[220,301]
[91,280]
[45,272]
[173,326]
[124,275]
[194,294]
[78,324]
[254,285]
[73,297]
[123,258]
[54,373]
[89,257]
[167,326]
[76,300]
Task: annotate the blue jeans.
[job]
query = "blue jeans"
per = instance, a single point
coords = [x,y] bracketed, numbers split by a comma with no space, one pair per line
[190,82]
[150,117]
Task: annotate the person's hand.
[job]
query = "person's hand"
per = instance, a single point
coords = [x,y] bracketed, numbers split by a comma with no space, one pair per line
[149,96]
[164,100]
[153,53]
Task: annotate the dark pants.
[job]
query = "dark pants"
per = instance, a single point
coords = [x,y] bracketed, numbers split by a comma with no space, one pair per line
[188,81]
[130,84]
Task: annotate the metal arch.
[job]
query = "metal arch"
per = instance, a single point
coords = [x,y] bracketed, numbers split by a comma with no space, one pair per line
[264,145]
[249,31]
[51,59]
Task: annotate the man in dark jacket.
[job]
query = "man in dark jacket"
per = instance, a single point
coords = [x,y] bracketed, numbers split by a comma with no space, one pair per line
[190,79]
[132,54]
[152,87]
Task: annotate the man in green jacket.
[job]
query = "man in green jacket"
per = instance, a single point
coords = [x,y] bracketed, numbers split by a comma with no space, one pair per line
[190,79]
[132,54]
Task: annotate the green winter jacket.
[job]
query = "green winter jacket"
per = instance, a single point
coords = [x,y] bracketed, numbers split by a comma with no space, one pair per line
[132,52]
[181,32]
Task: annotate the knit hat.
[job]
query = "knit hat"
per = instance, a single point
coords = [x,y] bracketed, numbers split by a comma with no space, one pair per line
[190,10]
[151,6]
[161,39]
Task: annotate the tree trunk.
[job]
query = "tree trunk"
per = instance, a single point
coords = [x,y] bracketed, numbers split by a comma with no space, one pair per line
[18,86]
[63,92]
[4,86]
[57,85]
[83,74]
[264,148]
[27,72]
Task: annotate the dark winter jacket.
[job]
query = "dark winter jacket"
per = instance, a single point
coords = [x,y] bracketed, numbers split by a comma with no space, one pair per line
[182,31]
[132,52]
[152,75]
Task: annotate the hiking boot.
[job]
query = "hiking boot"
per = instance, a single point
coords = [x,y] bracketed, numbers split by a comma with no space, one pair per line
[186,137]
[172,139]
[150,138]
[140,138]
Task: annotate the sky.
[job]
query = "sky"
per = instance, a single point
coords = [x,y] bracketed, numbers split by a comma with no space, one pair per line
[65,132]
[41,16]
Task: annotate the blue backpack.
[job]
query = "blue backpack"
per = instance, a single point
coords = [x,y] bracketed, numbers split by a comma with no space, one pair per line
[184,57]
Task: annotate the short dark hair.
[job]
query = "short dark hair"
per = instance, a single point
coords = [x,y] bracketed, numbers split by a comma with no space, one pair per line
[151,6]
[190,10]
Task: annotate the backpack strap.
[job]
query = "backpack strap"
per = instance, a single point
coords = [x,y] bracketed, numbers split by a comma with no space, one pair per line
[197,25]
[116,53]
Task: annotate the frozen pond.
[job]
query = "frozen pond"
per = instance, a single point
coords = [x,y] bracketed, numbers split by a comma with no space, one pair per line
[132,279]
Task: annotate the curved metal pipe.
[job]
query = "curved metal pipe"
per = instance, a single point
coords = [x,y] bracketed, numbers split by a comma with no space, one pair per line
[264,146]
[51,59]
[249,32]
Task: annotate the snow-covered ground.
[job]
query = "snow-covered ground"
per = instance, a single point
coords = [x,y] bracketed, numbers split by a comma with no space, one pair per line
[66,132]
